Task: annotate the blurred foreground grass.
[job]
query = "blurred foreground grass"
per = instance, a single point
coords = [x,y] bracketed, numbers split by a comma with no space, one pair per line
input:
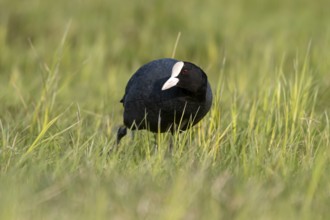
[261,153]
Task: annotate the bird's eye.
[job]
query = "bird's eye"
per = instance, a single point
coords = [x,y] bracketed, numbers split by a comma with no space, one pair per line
[184,71]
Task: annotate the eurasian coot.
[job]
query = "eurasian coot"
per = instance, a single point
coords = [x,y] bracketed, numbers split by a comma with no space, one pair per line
[165,95]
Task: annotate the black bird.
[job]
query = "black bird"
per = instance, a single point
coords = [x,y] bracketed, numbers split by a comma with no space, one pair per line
[165,95]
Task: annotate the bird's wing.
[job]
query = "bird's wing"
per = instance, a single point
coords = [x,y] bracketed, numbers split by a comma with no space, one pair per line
[128,86]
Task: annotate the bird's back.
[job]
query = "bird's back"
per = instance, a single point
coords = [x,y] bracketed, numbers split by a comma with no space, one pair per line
[147,79]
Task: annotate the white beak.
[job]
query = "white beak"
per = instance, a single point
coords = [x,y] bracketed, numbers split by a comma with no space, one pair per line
[173,80]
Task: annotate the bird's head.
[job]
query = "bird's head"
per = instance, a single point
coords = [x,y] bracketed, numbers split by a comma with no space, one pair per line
[187,76]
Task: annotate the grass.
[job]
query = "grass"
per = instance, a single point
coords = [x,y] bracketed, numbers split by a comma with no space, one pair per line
[261,153]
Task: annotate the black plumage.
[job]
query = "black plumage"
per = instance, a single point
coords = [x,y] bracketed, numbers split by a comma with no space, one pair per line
[164,95]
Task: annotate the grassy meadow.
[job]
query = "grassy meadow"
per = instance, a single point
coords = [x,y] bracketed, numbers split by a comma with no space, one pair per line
[262,152]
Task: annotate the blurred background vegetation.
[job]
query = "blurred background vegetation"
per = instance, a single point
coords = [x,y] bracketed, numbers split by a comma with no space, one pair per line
[110,39]
[268,65]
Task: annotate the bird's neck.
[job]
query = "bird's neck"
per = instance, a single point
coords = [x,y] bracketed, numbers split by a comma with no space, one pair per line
[199,94]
